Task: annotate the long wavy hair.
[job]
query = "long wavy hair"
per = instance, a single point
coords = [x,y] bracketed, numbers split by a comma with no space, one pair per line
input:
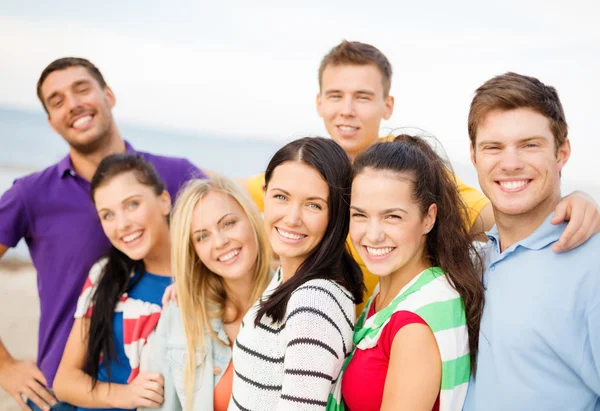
[202,294]
[330,259]
[449,244]
[116,277]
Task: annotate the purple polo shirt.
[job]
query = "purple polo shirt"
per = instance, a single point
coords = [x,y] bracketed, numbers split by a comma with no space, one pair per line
[53,211]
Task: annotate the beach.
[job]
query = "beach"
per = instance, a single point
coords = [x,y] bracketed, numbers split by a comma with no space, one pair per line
[20,308]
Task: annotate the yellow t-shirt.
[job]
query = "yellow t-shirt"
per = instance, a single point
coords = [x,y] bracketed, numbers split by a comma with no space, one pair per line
[474,200]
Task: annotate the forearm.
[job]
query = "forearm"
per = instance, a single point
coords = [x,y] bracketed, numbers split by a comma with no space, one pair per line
[4,354]
[75,387]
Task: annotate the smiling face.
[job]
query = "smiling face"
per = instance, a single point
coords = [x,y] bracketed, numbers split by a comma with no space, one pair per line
[517,162]
[296,210]
[223,237]
[387,227]
[133,217]
[352,105]
[79,109]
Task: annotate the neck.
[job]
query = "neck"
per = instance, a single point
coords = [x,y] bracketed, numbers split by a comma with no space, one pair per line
[390,285]
[514,228]
[158,261]
[85,165]
[289,266]
[239,292]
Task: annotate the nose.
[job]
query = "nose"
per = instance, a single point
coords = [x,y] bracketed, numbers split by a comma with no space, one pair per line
[347,107]
[123,222]
[511,160]
[374,233]
[293,216]
[221,240]
[73,102]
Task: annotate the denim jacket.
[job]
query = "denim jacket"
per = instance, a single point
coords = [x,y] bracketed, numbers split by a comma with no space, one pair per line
[168,356]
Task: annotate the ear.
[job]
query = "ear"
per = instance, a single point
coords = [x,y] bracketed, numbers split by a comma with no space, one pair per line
[165,203]
[429,219]
[563,153]
[110,96]
[319,105]
[472,149]
[389,107]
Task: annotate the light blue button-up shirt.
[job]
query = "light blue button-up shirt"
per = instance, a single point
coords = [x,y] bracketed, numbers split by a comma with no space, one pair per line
[539,343]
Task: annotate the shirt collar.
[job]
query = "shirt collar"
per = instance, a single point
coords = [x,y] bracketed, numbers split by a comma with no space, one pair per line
[546,234]
[66,167]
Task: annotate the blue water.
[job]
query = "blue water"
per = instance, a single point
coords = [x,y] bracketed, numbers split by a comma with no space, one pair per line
[27,144]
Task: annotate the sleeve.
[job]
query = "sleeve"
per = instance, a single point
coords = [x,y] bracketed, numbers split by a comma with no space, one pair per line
[84,302]
[254,185]
[318,335]
[590,368]
[158,361]
[14,222]
[473,198]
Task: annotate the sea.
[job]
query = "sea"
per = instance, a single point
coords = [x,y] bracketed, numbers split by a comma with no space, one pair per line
[28,144]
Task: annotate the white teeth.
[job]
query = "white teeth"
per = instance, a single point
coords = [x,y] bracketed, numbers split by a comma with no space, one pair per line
[290,235]
[347,128]
[378,252]
[512,185]
[82,121]
[131,237]
[229,255]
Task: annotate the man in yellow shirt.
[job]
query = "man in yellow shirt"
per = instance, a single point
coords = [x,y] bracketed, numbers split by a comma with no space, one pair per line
[353,99]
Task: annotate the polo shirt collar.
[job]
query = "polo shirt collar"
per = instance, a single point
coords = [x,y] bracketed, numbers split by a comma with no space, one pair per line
[546,234]
[66,167]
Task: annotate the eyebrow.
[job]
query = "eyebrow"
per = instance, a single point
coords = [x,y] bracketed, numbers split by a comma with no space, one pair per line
[388,211]
[75,84]
[521,141]
[218,222]
[123,202]
[309,198]
[332,91]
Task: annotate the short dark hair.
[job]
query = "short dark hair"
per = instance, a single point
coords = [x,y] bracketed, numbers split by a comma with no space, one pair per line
[512,91]
[330,259]
[358,54]
[64,63]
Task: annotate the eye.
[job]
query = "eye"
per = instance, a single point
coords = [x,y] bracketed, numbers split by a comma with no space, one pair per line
[132,205]
[82,89]
[201,237]
[280,197]
[335,96]
[364,98]
[229,223]
[314,206]
[393,217]
[107,216]
[491,148]
[358,215]
[56,103]
[531,145]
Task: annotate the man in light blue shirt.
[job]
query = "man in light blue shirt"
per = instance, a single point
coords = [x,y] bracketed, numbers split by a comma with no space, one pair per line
[539,342]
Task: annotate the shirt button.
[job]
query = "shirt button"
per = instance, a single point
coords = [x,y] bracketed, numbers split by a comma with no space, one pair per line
[217,371]
[493,267]
[72,173]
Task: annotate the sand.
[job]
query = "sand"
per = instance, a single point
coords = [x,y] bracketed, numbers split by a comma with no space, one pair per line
[20,311]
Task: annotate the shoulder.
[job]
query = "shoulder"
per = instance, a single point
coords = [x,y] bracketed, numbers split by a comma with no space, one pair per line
[38,179]
[177,167]
[398,320]
[323,298]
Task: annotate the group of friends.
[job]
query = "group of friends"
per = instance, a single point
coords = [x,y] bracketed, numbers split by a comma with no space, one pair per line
[357,273]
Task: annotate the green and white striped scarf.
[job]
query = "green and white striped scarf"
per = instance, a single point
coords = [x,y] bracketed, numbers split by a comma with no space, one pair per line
[430,296]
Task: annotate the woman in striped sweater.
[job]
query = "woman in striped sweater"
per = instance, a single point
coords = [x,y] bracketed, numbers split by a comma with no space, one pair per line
[293,342]
[416,339]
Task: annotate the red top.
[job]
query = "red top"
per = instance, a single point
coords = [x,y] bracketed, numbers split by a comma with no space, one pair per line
[364,378]
[223,389]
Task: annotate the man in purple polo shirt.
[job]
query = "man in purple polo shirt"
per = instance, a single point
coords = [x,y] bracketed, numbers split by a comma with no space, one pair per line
[53,211]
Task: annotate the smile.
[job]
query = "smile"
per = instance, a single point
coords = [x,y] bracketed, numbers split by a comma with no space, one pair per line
[513,185]
[132,237]
[289,235]
[229,255]
[379,253]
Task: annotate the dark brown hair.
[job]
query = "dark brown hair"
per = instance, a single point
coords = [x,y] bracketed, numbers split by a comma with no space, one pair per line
[358,54]
[116,278]
[330,259]
[65,63]
[448,245]
[511,91]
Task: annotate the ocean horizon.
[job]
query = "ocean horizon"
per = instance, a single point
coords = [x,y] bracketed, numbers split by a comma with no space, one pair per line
[31,145]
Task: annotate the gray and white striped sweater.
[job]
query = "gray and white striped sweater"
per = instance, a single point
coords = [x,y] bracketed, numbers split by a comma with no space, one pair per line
[292,365]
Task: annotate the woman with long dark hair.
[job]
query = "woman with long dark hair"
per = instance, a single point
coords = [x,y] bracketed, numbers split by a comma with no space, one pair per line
[120,303]
[293,341]
[416,339]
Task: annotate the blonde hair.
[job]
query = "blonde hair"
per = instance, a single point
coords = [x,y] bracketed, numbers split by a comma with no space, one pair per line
[201,292]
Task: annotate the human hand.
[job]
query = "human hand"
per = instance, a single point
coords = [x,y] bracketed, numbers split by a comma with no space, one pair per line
[23,377]
[146,390]
[170,295]
[583,215]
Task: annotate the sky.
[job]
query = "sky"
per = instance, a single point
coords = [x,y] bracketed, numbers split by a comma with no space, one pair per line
[249,69]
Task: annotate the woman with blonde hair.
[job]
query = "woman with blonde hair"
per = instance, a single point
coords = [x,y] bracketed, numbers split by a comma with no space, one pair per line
[221,258]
